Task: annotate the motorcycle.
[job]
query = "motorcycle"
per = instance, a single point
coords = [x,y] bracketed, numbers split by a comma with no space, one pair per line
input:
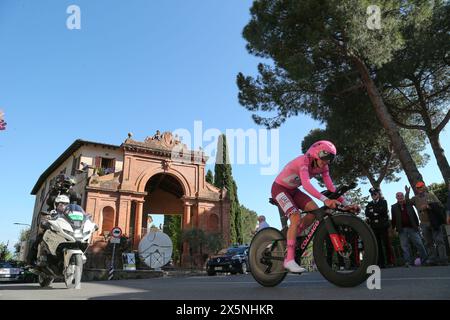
[61,252]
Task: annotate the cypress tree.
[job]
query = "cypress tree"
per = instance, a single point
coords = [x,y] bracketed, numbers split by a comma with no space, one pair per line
[210,177]
[223,178]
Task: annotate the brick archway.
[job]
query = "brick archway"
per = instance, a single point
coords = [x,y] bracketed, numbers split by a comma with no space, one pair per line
[144,178]
[127,191]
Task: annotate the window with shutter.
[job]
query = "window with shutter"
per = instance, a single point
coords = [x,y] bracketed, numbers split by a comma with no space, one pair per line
[98,162]
[75,165]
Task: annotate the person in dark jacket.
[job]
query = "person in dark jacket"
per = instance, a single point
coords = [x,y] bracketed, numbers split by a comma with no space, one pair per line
[406,223]
[378,219]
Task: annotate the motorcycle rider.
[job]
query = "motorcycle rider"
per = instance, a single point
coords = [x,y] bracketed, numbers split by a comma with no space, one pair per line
[59,197]
[286,192]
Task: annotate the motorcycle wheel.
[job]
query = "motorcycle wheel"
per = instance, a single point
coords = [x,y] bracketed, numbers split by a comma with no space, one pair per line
[345,225]
[45,281]
[264,270]
[73,273]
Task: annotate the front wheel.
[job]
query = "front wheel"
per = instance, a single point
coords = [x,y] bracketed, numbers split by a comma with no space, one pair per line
[73,272]
[266,256]
[348,268]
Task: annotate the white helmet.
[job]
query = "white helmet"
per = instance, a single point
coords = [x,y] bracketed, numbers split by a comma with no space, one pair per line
[62,198]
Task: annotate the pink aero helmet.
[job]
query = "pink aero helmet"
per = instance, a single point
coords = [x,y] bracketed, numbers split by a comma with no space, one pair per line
[323,150]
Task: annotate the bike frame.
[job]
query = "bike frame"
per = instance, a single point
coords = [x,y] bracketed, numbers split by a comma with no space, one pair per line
[323,215]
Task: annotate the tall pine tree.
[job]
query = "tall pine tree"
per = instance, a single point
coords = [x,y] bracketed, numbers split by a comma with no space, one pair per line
[223,178]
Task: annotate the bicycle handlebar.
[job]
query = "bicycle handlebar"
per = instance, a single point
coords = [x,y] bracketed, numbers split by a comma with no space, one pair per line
[339,191]
[334,195]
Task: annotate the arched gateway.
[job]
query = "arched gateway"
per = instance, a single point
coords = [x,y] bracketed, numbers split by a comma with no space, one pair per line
[121,185]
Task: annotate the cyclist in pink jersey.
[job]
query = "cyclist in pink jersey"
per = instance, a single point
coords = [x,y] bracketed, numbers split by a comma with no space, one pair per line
[285,191]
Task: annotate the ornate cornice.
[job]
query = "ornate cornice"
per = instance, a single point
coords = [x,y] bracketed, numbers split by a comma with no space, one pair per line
[165,145]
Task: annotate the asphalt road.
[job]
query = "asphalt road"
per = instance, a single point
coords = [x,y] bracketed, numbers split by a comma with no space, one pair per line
[423,283]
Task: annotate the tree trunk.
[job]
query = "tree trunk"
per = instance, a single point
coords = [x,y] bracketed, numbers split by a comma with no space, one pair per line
[388,123]
[433,135]
[371,178]
[440,157]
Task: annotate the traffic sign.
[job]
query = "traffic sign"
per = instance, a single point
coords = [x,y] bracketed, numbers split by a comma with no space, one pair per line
[114,240]
[116,232]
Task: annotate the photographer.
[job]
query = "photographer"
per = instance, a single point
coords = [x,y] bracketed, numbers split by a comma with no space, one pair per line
[63,186]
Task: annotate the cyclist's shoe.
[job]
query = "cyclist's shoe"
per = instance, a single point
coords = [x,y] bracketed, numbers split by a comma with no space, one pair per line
[293,267]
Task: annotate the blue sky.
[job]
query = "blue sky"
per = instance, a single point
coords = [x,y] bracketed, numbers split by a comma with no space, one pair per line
[135,66]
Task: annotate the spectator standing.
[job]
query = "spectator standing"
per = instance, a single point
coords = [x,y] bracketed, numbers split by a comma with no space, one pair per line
[406,223]
[262,224]
[432,219]
[378,219]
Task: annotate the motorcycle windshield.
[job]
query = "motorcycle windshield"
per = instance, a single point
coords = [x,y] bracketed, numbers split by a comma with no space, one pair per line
[74,212]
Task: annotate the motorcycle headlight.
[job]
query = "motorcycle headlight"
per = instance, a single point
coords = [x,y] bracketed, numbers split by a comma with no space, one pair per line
[78,234]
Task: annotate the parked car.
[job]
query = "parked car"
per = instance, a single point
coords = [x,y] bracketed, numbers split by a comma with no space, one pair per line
[233,260]
[9,271]
[16,271]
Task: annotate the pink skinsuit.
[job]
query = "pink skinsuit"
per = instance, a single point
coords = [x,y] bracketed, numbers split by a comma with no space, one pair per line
[298,173]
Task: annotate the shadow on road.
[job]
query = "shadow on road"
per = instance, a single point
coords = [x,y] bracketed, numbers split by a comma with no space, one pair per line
[421,283]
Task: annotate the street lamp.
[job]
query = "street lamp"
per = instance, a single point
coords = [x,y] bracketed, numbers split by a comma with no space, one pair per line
[23,224]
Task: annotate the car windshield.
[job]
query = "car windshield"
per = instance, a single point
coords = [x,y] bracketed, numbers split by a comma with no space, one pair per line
[233,250]
[239,250]
[6,265]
